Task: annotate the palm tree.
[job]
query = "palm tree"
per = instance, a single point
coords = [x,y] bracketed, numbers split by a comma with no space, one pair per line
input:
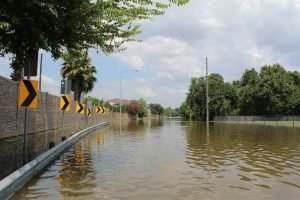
[77,68]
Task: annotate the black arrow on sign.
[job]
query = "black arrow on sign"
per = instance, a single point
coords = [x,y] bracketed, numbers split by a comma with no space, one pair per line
[66,103]
[89,112]
[32,93]
[80,108]
[98,110]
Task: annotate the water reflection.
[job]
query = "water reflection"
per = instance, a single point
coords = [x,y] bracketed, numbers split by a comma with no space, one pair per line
[77,175]
[155,159]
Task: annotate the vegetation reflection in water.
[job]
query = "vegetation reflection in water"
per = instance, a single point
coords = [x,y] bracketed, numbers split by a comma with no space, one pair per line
[175,160]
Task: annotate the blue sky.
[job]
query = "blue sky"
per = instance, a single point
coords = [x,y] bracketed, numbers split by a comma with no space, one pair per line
[234,34]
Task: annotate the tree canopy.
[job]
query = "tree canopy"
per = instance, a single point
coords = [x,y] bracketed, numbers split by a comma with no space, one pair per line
[55,25]
[156,109]
[95,101]
[272,91]
[143,108]
[77,68]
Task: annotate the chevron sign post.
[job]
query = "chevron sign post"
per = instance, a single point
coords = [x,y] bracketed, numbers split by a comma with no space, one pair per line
[28,98]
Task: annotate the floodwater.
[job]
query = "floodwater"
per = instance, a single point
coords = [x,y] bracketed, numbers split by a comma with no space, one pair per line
[167,160]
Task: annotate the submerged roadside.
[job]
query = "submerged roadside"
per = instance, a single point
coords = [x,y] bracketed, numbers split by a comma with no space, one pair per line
[16,180]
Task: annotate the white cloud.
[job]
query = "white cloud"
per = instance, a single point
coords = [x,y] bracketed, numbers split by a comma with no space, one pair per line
[50,85]
[164,75]
[143,89]
[234,34]
[163,55]
[134,62]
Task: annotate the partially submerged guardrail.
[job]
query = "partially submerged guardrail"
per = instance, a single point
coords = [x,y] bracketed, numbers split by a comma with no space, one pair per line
[15,181]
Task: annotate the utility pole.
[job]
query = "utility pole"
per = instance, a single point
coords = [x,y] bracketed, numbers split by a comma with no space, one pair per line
[207,97]
[41,68]
[120,103]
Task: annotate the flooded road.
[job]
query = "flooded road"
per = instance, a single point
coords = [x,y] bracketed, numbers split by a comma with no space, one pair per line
[167,160]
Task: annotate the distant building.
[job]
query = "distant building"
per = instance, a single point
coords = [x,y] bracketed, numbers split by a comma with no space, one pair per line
[113,102]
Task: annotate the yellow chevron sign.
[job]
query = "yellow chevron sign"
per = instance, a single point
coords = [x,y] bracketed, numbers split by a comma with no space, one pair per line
[65,103]
[100,109]
[80,108]
[89,112]
[28,93]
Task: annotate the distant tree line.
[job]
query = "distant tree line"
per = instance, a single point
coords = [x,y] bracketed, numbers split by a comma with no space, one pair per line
[139,108]
[272,91]
[171,112]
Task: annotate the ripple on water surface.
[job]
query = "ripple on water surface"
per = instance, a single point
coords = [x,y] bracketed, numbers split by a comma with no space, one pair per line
[175,160]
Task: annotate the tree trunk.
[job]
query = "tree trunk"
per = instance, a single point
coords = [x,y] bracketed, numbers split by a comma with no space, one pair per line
[17,65]
[77,92]
[22,59]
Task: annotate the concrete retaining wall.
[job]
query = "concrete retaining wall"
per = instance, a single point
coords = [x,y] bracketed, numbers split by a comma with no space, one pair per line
[257,118]
[45,125]
[46,117]
[279,120]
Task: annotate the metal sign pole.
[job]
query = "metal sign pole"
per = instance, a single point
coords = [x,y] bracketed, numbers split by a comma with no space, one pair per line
[207,95]
[25,153]
[25,136]
[63,123]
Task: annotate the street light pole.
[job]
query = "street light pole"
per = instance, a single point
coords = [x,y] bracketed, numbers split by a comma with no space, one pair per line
[207,97]
[121,91]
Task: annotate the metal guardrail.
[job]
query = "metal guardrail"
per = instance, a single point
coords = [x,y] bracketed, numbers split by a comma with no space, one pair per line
[15,181]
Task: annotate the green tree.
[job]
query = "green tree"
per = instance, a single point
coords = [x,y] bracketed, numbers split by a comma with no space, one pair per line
[271,92]
[172,112]
[107,105]
[156,109]
[77,68]
[185,111]
[95,101]
[275,88]
[55,25]
[248,102]
[143,108]
[222,97]
[133,108]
